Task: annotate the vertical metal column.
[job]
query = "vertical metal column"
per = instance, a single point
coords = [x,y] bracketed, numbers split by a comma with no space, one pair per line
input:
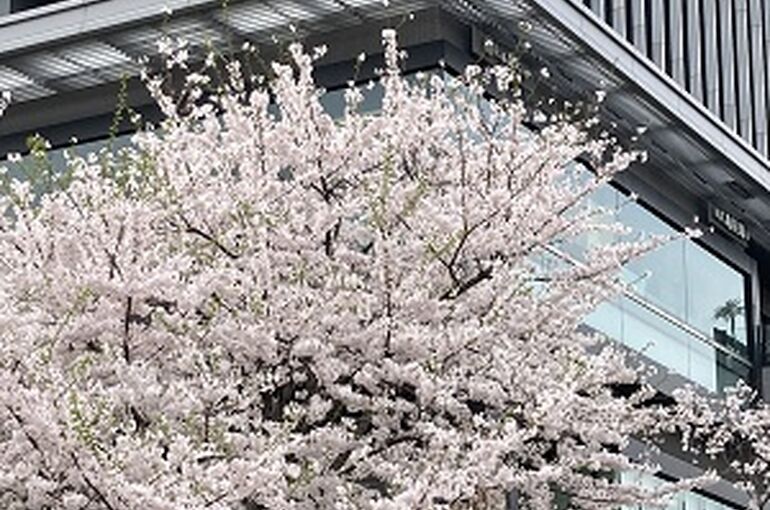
[5,7]
[599,8]
[694,50]
[619,17]
[758,70]
[676,41]
[765,71]
[638,22]
[711,55]
[743,71]
[718,50]
[727,61]
[657,33]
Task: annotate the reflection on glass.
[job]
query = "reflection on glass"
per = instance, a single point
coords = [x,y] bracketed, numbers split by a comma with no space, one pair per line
[56,159]
[685,500]
[659,276]
[333,101]
[645,331]
[681,280]
[715,298]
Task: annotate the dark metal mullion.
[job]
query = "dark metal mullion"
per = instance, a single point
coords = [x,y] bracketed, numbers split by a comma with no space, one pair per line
[742,69]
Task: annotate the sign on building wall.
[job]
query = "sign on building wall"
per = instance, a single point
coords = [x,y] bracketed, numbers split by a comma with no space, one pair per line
[728,223]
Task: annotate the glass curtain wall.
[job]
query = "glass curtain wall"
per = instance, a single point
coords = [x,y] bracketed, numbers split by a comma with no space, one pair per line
[687,500]
[685,308]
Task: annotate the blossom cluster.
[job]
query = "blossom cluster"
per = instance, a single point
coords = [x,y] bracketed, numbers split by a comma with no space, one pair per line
[261,306]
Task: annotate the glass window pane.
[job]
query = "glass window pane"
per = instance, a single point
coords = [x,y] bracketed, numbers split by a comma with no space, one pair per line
[715,298]
[659,277]
[668,344]
[682,501]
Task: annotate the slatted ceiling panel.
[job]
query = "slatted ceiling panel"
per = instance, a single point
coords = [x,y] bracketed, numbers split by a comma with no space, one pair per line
[593,78]
[714,171]
[374,9]
[99,63]
[253,18]
[694,49]
[197,32]
[96,55]
[657,32]
[552,40]
[464,9]
[143,41]
[307,17]
[644,114]
[757,66]
[676,42]
[639,25]
[510,8]
[47,67]
[471,12]
[711,55]
[504,17]
[138,42]
[688,152]
[729,97]
[743,72]
[22,87]
[312,13]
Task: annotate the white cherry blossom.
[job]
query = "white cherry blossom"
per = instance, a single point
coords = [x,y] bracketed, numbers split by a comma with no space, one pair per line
[264,307]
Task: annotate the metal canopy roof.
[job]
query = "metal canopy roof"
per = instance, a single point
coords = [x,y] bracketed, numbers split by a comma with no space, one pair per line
[76,44]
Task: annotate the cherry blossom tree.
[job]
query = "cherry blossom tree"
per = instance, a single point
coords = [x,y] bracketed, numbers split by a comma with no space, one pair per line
[731,430]
[260,306]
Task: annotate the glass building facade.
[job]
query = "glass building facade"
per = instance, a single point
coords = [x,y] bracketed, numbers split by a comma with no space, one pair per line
[685,500]
[684,307]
